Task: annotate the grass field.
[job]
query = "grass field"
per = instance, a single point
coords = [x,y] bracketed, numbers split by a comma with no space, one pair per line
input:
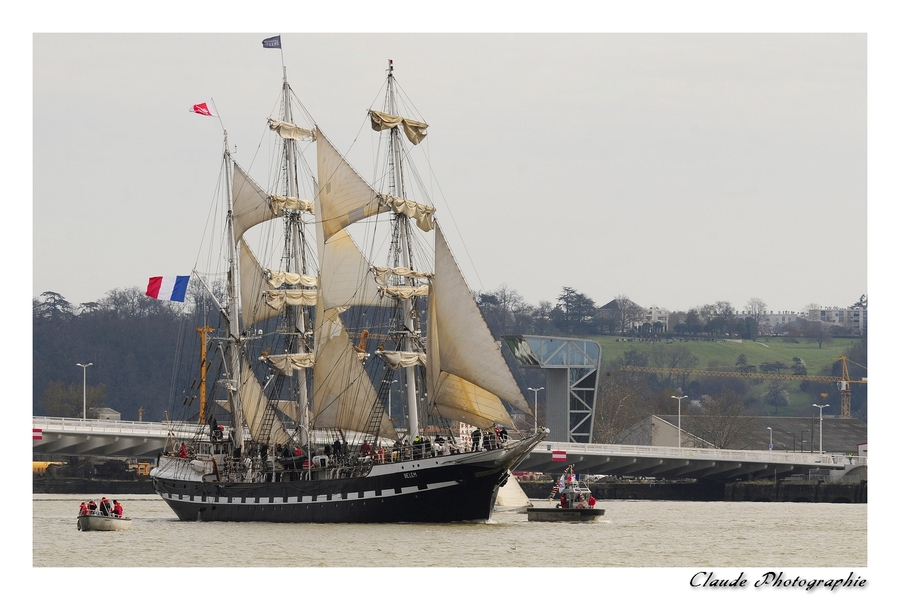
[774,349]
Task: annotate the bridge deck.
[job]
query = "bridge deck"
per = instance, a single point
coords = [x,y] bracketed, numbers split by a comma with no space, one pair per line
[134,439]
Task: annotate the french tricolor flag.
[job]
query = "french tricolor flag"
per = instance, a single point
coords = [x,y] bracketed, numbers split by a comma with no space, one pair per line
[558,455]
[168,288]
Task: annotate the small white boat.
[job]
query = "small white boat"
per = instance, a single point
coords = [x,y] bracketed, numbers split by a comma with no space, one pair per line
[103,523]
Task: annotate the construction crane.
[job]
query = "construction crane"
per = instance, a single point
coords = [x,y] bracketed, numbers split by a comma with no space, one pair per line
[843,381]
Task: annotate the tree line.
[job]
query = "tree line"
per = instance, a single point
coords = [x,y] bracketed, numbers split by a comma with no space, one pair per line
[132,341]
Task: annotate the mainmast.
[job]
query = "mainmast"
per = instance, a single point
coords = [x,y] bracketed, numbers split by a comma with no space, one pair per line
[401,250]
[295,259]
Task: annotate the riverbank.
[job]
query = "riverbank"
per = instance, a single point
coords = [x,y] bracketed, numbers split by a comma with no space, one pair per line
[741,491]
[90,487]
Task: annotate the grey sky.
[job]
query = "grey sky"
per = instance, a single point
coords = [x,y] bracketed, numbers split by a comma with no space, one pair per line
[678,169]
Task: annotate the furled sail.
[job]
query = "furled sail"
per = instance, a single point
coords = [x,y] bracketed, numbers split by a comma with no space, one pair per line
[404,292]
[279,278]
[422,214]
[383,274]
[254,405]
[343,394]
[415,130]
[279,203]
[466,370]
[396,360]
[286,364]
[278,299]
[289,131]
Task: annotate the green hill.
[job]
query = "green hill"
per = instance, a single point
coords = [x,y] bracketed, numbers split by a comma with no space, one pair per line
[713,354]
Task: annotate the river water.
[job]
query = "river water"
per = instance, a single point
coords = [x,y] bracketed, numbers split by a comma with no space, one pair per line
[729,536]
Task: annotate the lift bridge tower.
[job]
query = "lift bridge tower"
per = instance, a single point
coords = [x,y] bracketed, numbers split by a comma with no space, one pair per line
[570,369]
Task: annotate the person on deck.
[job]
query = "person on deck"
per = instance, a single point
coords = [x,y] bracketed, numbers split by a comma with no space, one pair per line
[476,439]
[182,453]
[365,449]
[591,502]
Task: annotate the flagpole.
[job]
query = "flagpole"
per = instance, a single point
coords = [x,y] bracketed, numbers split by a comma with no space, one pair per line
[218,114]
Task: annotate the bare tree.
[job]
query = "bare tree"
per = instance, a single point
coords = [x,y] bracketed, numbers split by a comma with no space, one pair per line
[757,309]
[621,404]
[725,422]
[627,313]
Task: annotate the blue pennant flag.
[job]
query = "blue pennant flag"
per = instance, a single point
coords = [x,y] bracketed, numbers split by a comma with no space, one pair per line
[272,42]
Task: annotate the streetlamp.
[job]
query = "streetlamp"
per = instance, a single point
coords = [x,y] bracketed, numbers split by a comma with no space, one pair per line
[84,387]
[820,425]
[391,398]
[679,398]
[770,437]
[535,390]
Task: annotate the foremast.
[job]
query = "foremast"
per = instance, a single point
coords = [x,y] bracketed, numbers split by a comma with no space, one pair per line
[233,310]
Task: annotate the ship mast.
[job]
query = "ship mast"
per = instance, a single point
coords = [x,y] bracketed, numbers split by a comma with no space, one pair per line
[232,312]
[401,250]
[295,259]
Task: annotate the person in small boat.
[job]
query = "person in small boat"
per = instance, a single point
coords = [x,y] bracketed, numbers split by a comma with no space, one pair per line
[117,509]
[105,507]
[82,510]
[92,507]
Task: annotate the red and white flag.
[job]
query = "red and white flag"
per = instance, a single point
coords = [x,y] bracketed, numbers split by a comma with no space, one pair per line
[203,109]
[37,434]
[558,455]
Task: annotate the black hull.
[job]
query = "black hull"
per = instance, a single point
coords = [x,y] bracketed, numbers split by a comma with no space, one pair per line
[436,490]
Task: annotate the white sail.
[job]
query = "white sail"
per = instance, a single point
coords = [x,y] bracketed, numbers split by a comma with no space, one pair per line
[344,196]
[254,285]
[343,394]
[346,279]
[251,204]
[461,345]
[254,405]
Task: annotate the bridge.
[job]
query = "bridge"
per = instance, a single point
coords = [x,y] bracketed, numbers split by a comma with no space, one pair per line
[135,439]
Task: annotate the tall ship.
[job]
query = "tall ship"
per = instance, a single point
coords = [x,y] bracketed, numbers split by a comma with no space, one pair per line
[341,345]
